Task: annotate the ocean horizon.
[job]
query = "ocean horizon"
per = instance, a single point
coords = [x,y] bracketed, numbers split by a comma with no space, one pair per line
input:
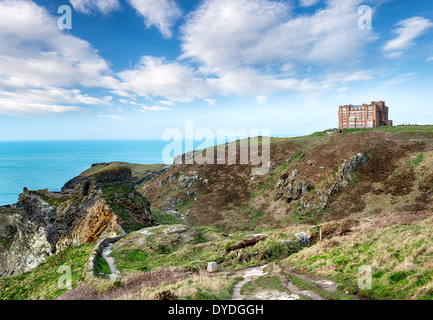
[50,164]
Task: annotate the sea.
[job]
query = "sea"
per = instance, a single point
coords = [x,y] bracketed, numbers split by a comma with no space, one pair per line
[50,164]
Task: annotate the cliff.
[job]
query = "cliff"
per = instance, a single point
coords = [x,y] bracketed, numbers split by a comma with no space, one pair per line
[47,223]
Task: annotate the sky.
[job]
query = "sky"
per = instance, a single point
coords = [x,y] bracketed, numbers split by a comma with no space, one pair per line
[133,69]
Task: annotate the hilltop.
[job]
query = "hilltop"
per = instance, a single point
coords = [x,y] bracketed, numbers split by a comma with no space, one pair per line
[330,204]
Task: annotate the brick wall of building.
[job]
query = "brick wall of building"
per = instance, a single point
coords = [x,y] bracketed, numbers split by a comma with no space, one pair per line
[364,116]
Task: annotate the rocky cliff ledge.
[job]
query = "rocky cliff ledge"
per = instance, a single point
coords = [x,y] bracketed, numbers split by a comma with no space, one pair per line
[47,222]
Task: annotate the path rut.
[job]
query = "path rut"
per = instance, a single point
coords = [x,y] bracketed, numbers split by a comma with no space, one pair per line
[254,273]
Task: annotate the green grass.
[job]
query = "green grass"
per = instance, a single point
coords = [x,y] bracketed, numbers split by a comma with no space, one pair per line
[52,200]
[138,170]
[114,194]
[407,128]
[147,256]
[311,286]
[415,161]
[100,265]
[165,218]
[399,257]
[198,287]
[41,283]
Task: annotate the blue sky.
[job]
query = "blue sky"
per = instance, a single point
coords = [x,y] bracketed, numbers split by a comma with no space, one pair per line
[131,69]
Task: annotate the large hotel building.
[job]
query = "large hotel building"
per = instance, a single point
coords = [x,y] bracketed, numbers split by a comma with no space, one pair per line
[364,116]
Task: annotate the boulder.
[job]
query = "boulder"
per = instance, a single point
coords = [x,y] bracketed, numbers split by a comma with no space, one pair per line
[212,267]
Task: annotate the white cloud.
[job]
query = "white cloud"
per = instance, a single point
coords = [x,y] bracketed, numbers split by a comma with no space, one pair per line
[308,3]
[167,102]
[38,61]
[261,99]
[54,95]
[159,13]
[211,102]
[407,30]
[237,47]
[223,33]
[248,81]
[113,117]
[156,108]
[92,6]
[157,77]
[429,59]
[25,108]
[250,47]
[398,80]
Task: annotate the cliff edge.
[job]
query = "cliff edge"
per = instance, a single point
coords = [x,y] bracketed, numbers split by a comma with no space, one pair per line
[46,223]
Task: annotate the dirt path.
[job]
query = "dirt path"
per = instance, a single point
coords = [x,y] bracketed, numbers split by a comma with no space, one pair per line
[250,275]
[115,273]
[324,284]
[292,288]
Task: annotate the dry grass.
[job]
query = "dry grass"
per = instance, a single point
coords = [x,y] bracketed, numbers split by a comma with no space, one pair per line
[126,288]
[398,248]
[200,286]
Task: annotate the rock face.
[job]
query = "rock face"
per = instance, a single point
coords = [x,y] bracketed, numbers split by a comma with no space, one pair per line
[49,222]
[23,244]
[290,188]
[344,173]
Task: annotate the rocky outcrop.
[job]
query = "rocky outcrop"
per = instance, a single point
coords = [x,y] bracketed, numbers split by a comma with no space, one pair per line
[344,174]
[50,222]
[290,188]
[186,181]
[23,244]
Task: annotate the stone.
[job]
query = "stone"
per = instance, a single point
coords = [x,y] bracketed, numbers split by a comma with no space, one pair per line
[191,193]
[345,170]
[344,173]
[176,229]
[185,181]
[301,187]
[272,166]
[212,267]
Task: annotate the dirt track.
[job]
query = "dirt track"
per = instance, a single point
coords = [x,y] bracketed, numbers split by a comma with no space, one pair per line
[250,275]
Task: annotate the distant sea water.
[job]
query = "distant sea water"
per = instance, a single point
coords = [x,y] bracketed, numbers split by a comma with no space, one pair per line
[50,164]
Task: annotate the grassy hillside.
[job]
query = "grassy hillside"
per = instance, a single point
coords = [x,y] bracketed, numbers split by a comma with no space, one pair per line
[399,165]
[398,249]
[138,170]
[42,283]
[380,217]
